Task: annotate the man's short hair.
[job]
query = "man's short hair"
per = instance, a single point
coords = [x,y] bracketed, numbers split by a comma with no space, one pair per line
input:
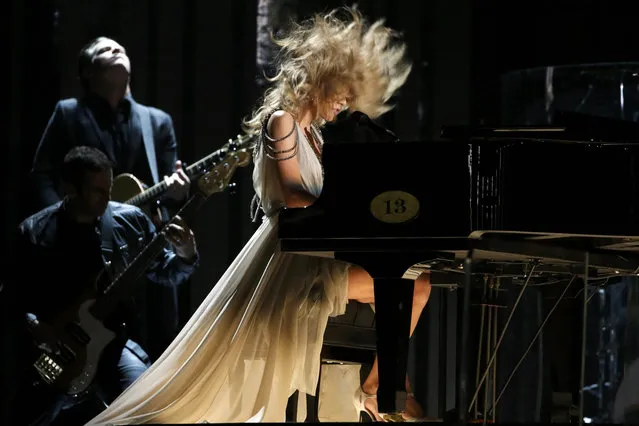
[81,160]
[85,59]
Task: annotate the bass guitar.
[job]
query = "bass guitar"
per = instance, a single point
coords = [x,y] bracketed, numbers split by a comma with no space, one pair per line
[69,348]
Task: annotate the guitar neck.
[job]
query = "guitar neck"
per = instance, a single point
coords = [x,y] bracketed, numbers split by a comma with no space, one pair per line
[192,171]
[120,285]
[151,194]
[117,288]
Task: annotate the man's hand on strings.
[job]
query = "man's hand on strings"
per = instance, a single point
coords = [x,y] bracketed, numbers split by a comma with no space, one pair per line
[178,183]
[181,236]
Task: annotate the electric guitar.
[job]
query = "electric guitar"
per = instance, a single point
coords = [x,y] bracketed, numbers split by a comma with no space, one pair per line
[68,349]
[129,189]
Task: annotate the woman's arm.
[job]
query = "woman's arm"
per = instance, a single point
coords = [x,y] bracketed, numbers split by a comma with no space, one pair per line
[283,150]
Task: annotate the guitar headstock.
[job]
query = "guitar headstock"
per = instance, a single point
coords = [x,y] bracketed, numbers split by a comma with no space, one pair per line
[235,153]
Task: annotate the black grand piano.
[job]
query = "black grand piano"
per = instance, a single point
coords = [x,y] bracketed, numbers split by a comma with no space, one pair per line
[564,196]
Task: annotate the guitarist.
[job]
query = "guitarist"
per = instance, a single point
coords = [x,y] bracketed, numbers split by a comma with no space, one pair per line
[138,139]
[108,118]
[62,248]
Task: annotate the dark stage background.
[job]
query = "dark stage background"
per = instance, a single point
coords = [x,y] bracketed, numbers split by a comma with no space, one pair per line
[196,59]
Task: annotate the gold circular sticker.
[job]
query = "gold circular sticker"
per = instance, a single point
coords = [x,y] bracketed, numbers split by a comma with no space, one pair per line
[395,207]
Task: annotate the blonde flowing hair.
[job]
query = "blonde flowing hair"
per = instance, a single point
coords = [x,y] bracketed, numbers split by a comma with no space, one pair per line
[326,55]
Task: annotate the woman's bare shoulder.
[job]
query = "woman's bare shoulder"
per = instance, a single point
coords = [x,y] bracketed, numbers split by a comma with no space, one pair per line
[280,124]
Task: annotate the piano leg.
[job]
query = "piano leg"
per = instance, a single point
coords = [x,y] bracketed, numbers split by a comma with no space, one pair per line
[393,304]
[393,307]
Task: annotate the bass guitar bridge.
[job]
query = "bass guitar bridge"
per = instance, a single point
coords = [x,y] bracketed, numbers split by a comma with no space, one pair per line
[48,369]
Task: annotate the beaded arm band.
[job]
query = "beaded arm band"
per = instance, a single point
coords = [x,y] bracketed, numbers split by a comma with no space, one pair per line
[271,152]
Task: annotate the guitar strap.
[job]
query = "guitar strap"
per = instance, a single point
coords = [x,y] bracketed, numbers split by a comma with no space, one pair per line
[149,143]
[107,247]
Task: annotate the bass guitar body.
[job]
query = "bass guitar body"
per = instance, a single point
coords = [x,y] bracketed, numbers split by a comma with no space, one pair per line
[70,349]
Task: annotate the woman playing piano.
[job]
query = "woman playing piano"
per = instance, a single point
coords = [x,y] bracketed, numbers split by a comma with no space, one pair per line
[257,336]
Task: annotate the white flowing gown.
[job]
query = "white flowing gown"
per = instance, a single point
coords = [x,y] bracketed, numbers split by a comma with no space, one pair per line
[257,336]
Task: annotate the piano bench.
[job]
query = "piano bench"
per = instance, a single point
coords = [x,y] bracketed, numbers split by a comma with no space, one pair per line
[348,339]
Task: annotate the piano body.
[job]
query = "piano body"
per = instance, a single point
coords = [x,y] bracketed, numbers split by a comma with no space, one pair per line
[475,203]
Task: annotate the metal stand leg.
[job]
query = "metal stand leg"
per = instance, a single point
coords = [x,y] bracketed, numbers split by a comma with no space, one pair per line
[494,345]
[534,339]
[481,340]
[582,380]
[462,376]
[607,354]
[489,349]
[443,353]
[503,333]
[487,332]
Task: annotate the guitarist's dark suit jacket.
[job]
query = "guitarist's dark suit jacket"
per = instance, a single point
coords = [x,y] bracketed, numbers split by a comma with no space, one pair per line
[121,136]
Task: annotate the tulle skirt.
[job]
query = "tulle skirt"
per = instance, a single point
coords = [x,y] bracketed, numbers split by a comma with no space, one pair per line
[253,341]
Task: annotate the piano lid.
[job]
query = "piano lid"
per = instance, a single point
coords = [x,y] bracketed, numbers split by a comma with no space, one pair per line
[570,127]
[387,190]
[378,188]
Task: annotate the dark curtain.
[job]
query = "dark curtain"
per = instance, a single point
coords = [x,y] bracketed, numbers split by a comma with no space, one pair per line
[33,86]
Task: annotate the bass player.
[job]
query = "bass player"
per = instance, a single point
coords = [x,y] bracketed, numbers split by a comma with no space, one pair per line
[61,250]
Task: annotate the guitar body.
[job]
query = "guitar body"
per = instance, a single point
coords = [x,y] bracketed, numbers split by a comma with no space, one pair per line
[126,186]
[70,349]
